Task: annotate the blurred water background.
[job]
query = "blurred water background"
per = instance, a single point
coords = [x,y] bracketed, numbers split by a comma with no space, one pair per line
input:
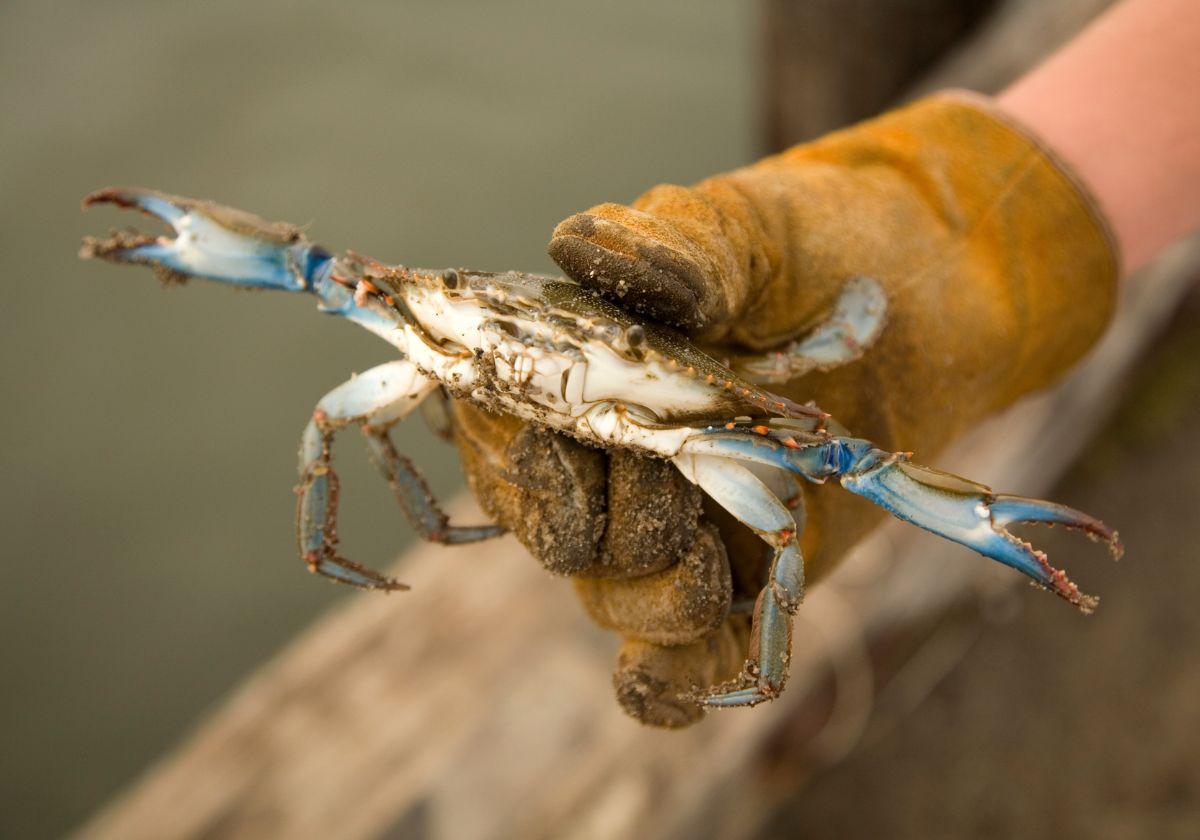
[149,436]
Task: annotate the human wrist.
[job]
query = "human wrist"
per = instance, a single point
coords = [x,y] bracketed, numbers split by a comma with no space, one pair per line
[1118,105]
[1023,122]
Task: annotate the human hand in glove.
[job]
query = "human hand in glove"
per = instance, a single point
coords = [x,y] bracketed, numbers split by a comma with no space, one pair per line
[999,275]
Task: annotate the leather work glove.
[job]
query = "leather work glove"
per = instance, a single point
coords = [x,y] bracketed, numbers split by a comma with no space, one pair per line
[1000,274]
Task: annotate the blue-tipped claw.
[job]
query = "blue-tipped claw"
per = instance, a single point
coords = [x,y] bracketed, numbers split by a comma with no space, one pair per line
[231,246]
[972,515]
[208,240]
[959,510]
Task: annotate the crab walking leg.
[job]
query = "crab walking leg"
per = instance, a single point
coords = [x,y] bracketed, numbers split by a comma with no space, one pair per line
[376,400]
[380,396]
[857,320]
[739,491]
[951,507]
[415,498]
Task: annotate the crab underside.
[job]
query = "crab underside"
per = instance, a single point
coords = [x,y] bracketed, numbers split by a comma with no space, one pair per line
[549,351]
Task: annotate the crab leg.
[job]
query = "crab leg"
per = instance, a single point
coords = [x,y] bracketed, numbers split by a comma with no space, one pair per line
[951,507]
[231,246]
[856,321]
[972,515]
[744,495]
[376,399]
[415,498]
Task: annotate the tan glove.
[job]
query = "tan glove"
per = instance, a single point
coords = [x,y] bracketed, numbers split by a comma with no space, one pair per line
[1000,275]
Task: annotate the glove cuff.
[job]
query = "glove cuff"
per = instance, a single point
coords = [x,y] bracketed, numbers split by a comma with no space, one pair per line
[989,106]
[1051,245]
[994,226]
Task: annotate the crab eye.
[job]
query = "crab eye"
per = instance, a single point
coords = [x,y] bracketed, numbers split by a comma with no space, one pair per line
[635,335]
[450,278]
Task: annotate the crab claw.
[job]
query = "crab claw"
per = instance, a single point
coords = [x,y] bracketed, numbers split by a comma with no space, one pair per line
[209,240]
[972,515]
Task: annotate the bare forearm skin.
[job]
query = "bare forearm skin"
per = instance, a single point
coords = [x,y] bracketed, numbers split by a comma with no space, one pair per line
[1121,105]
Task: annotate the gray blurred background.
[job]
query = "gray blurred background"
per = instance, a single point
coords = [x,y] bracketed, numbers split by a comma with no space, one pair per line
[149,435]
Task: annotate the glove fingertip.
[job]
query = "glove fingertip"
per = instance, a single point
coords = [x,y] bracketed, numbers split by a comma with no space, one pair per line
[632,270]
[655,684]
[646,695]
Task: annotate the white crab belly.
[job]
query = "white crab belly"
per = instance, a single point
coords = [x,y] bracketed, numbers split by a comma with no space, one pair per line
[594,395]
[651,387]
[589,391]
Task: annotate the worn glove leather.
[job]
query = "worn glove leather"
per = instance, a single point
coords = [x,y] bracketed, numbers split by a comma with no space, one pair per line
[1000,274]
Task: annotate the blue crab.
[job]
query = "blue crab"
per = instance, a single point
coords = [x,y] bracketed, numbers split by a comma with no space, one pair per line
[553,353]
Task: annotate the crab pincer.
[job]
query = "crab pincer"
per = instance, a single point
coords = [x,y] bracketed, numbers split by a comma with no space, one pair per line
[951,507]
[214,242]
[972,515]
[208,240]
